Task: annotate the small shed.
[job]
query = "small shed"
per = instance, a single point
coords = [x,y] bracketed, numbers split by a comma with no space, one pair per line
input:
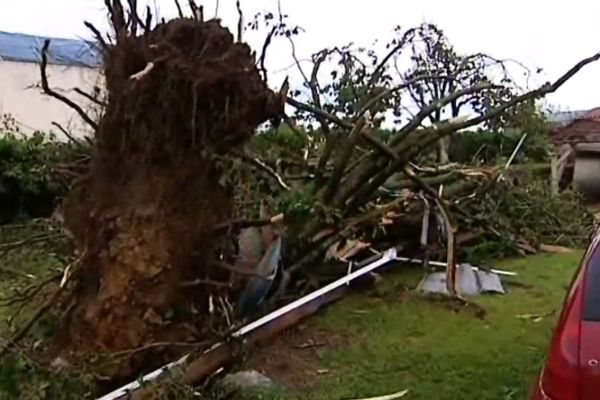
[578,143]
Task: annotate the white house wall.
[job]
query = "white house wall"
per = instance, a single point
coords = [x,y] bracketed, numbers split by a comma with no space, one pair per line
[21,96]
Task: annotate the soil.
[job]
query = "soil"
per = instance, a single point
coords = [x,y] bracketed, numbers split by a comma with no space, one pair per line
[294,359]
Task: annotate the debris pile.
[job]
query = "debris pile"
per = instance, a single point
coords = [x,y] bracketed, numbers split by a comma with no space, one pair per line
[494,213]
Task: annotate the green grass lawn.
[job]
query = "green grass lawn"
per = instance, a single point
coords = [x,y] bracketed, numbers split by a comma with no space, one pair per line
[399,340]
[393,339]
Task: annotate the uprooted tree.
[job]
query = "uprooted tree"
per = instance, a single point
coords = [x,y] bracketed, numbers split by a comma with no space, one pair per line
[355,164]
[156,216]
[179,97]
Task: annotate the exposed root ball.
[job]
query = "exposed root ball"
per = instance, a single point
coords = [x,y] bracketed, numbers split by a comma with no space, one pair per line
[177,98]
[188,84]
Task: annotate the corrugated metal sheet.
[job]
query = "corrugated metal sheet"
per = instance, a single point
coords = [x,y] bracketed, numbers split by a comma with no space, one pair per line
[27,48]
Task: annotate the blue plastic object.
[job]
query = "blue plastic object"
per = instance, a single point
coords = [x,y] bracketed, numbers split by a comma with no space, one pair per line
[257,288]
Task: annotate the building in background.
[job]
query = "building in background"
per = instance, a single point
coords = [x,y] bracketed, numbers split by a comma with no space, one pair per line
[578,143]
[71,64]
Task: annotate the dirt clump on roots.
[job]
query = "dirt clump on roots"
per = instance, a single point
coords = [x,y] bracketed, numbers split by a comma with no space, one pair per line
[179,96]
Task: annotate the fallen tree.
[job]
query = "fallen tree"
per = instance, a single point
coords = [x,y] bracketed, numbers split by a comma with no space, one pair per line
[351,164]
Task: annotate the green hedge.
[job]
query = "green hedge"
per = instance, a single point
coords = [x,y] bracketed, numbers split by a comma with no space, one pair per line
[30,184]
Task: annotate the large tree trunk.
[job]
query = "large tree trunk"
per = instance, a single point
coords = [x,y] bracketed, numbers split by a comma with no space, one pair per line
[144,216]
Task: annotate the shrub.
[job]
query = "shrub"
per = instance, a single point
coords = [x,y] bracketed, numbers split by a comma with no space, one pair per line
[31,178]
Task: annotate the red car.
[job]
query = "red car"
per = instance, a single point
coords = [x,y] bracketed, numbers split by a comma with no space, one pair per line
[572,368]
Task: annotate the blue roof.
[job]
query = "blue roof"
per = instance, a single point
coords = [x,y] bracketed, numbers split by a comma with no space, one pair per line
[27,48]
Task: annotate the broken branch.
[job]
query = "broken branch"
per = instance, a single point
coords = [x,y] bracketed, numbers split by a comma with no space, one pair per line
[249,223]
[153,346]
[117,16]
[426,111]
[450,230]
[318,112]
[42,237]
[89,97]
[66,133]
[254,161]
[30,292]
[263,54]
[344,157]
[380,146]
[21,333]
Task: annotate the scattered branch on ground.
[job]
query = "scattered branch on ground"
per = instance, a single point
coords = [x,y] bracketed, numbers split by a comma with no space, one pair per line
[29,293]
[130,352]
[47,306]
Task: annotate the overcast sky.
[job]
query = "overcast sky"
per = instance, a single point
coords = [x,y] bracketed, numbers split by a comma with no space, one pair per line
[553,34]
